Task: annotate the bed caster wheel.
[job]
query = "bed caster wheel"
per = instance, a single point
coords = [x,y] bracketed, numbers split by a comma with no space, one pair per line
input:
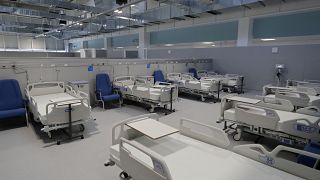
[237,137]
[203,99]
[82,127]
[124,175]
[82,137]
[58,143]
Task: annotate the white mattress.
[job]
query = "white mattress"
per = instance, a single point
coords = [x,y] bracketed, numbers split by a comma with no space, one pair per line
[43,100]
[189,159]
[283,115]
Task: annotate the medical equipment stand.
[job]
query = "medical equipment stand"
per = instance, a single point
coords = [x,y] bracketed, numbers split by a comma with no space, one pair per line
[70,133]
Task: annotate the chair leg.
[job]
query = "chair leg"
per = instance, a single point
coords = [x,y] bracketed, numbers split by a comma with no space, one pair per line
[120,103]
[27,118]
[103,104]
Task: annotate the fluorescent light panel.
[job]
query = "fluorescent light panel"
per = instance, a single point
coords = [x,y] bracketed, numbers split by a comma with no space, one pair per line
[270,39]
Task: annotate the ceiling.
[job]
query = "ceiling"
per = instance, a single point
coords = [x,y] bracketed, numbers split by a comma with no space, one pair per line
[66,19]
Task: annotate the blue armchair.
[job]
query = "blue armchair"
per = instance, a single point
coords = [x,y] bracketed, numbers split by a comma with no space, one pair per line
[194,72]
[11,102]
[104,90]
[158,76]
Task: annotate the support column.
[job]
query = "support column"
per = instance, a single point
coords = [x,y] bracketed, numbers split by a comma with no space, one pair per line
[244,31]
[144,41]
[107,43]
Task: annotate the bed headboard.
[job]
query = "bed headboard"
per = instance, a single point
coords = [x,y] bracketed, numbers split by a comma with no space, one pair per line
[43,88]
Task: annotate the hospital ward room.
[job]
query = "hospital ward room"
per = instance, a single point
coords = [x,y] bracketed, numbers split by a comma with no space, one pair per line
[160,90]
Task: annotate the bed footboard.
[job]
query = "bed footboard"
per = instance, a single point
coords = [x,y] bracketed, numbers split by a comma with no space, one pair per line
[138,168]
[57,112]
[276,159]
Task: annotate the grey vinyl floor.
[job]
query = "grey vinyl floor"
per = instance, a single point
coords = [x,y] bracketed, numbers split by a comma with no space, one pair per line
[27,153]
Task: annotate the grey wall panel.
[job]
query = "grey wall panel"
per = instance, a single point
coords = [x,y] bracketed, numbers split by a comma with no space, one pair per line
[1,42]
[257,64]
[38,43]
[11,41]
[25,42]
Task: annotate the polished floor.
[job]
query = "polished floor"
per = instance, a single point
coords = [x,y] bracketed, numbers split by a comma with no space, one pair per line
[27,153]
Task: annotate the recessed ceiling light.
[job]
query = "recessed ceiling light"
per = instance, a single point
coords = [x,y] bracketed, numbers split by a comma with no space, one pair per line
[116,10]
[119,47]
[132,5]
[119,12]
[207,42]
[271,39]
[213,45]
[168,45]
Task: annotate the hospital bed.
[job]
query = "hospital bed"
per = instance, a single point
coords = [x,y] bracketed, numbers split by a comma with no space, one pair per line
[56,105]
[205,88]
[298,99]
[230,82]
[310,87]
[143,91]
[273,118]
[146,149]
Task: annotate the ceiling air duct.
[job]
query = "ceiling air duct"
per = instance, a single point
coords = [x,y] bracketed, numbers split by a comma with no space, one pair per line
[121,2]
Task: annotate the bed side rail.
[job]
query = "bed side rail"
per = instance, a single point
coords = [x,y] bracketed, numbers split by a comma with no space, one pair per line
[310,110]
[276,103]
[214,136]
[256,116]
[139,169]
[43,88]
[128,134]
[296,98]
[270,89]
[259,153]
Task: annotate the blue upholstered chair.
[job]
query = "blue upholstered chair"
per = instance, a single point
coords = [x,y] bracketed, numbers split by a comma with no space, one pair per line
[104,90]
[12,103]
[194,72]
[306,160]
[158,76]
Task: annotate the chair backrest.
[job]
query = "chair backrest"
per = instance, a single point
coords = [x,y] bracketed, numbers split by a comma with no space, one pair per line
[158,76]
[194,72]
[306,160]
[103,84]
[10,95]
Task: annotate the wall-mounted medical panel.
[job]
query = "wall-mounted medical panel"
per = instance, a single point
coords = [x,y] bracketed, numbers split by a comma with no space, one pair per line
[213,32]
[298,24]
[125,41]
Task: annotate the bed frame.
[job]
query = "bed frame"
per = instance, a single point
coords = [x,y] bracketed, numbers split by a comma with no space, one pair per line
[310,87]
[195,89]
[169,93]
[59,116]
[133,167]
[298,99]
[261,118]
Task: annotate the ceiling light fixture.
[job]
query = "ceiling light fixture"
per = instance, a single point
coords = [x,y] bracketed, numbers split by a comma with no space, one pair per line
[271,39]
[207,42]
[168,45]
